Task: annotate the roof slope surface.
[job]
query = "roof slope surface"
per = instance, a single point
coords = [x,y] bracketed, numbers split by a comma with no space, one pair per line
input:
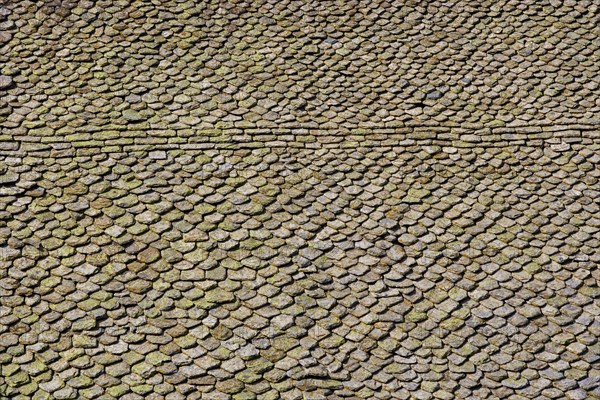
[299,200]
[313,64]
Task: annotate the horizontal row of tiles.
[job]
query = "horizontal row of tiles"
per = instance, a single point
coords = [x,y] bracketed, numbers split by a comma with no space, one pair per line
[140,140]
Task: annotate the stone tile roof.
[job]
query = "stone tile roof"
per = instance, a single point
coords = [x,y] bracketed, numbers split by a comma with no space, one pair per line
[299,200]
[387,272]
[182,64]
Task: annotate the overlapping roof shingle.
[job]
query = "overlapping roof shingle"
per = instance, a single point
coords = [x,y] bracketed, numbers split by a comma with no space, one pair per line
[299,200]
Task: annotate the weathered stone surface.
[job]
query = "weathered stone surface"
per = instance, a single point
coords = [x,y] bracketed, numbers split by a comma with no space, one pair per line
[287,200]
[410,66]
[323,290]
[5,82]
[132,116]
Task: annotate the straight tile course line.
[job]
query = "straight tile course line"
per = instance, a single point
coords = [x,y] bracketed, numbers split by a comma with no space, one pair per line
[148,139]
